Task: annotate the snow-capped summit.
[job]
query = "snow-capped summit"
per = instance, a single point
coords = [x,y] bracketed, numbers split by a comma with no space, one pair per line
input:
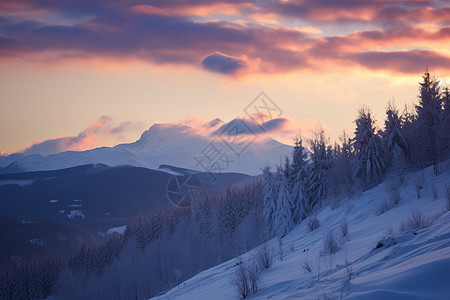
[170,144]
[160,134]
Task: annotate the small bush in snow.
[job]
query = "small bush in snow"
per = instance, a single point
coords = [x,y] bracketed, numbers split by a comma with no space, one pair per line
[330,243]
[264,256]
[247,279]
[344,228]
[419,181]
[254,275]
[388,233]
[385,206]
[313,223]
[447,195]
[435,192]
[291,247]
[415,222]
[241,282]
[394,190]
[394,196]
[306,267]
[280,248]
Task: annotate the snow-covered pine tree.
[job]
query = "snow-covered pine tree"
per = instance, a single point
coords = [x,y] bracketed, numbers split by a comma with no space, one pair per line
[297,177]
[282,221]
[369,164]
[343,163]
[316,189]
[444,132]
[428,118]
[269,200]
[393,139]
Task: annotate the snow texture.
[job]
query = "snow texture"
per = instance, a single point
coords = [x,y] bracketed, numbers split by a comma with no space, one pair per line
[374,261]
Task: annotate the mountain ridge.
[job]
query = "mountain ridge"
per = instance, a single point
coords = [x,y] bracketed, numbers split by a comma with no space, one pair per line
[166,143]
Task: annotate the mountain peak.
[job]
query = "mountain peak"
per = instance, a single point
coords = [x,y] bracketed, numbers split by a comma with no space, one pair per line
[166,130]
[214,123]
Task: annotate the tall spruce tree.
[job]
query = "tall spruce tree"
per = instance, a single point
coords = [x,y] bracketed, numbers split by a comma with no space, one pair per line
[369,164]
[283,221]
[428,121]
[269,197]
[317,181]
[298,174]
[444,131]
[394,141]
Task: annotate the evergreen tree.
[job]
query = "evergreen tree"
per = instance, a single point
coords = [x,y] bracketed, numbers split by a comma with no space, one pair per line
[344,163]
[394,140]
[444,131]
[316,187]
[298,173]
[369,164]
[282,221]
[269,199]
[428,119]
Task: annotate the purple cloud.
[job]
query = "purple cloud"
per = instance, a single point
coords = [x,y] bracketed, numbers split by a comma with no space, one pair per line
[221,63]
[414,61]
[173,33]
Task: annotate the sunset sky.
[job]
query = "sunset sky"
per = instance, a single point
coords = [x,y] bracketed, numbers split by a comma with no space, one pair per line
[99,72]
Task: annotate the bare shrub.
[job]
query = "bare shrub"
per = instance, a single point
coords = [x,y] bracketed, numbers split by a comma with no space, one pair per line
[447,195]
[313,223]
[349,273]
[419,181]
[435,192]
[280,248]
[344,228]
[346,284]
[330,243]
[394,196]
[388,233]
[241,282]
[246,280]
[415,222]
[291,247]
[386,205]
[254,275]
[264,256]
[306,267]
[394,190]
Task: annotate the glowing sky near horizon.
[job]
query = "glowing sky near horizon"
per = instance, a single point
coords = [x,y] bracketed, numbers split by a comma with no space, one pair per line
[100,72]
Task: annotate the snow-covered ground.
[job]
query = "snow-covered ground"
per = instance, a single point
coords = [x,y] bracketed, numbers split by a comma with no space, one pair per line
[18,182]
[118,229]
[415,266]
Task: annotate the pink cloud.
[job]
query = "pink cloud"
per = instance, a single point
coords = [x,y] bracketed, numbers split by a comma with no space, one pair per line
[104,130]
[173,32]
[193,10]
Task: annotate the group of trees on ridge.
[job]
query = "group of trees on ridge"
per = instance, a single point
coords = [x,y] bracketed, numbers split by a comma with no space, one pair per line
[408,141]
[156,254]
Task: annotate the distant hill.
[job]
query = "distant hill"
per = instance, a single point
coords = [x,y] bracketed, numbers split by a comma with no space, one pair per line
[51,212]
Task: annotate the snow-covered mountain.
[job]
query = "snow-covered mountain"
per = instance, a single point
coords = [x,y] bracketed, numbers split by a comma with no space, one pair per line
[215,146]
[378,258]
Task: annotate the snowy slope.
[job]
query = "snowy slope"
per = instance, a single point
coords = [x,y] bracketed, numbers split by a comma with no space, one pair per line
[416,266]
[170,144]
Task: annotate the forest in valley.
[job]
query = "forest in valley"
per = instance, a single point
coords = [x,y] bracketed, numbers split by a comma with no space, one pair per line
[158,253]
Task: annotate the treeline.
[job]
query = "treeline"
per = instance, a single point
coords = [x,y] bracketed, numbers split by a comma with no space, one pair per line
[152,255]
[34,278]
[157,254]
[409,140]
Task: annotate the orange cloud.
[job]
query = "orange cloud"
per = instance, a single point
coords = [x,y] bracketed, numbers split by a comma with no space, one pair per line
[104,131]
[193,10]
[165,35]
